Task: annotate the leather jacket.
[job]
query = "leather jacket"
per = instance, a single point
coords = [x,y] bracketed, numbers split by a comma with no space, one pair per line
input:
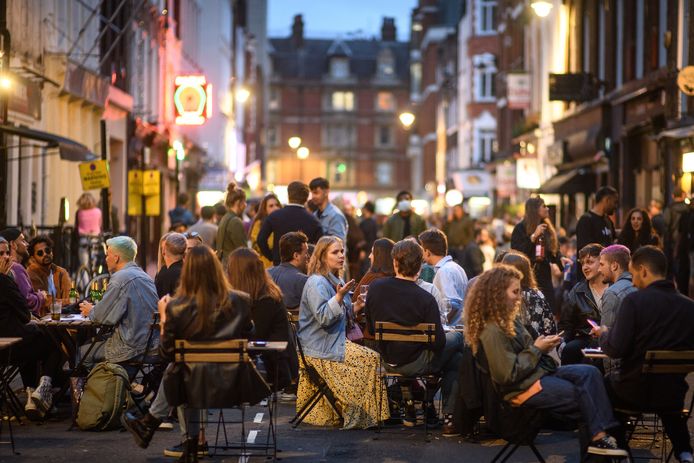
[210,385]
[576,310]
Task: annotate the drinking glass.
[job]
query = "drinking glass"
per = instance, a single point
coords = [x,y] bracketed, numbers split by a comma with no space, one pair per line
[56,309]
[446,310]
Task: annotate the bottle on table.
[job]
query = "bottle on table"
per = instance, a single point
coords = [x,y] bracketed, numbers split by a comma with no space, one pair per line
[73,296]
[94,293]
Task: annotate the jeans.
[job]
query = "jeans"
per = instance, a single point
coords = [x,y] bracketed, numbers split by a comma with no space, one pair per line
[447,362]
[98,355]
[576,388]
[571,354]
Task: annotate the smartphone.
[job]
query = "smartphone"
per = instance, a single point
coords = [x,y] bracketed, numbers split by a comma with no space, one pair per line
[560,334]
[259,343]
[593,324]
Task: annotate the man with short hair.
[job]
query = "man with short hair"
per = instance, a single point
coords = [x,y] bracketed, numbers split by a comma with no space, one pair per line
[181,214]
[368,224]
[614,268]
[400,300]
[331,218]
[450,278]
[36,299]
[44,274]
[128,304]
[595,226]
[656,317]
[292,217]
[290,275]
[405,222]
[206,227]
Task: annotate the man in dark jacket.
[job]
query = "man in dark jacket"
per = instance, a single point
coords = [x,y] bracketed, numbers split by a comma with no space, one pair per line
[293,217]
[656,317]
[676,239]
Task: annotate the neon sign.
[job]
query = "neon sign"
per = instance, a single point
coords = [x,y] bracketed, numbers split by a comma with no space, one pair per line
[192,100]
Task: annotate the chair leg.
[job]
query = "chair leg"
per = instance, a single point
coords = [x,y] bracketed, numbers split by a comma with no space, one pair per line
[306,409]
[537,453]
[501,453]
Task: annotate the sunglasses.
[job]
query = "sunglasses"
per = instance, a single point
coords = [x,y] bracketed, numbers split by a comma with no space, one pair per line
[192,235]
[46,251]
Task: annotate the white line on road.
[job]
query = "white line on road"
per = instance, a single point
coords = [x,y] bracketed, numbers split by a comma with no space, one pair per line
[251,437]
[258,418]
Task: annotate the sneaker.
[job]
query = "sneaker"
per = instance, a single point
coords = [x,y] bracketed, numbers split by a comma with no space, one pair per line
[286,397]
[606,445]
[30,409]
[410,418]
[685,457]
[177,450]
[43,395]
[449,429]
[166,426]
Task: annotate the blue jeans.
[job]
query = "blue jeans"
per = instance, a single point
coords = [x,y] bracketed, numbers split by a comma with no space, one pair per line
[577,390]
[446,362]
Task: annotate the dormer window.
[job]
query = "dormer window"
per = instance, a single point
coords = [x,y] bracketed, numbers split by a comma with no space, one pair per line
[386,63]
[339,67]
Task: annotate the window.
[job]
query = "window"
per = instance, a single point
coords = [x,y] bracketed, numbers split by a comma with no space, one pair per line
[486,146]
[342,101]
[384,173]
[272,138]
[274,100]
[338,135]
[485,77]
[339,68]
[385,101]
[486,17]
[386,63]
[384,135]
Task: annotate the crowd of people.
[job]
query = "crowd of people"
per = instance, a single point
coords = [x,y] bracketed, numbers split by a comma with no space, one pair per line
[528,297]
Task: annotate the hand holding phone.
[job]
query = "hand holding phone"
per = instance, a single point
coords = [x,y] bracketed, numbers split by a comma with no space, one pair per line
[593,324]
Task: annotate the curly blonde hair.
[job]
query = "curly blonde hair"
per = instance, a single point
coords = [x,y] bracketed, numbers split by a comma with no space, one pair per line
[486,303]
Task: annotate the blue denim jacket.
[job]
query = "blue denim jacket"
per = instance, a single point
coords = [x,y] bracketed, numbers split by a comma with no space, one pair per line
[613,296]
[333,222]
[128,304]
[322,321]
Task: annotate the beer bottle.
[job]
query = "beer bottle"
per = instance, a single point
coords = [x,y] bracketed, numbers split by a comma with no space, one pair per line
[94,293]
[73,296]
[103,288]
[540,248]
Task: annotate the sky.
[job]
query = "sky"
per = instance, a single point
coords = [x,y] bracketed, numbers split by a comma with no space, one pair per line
[331,18]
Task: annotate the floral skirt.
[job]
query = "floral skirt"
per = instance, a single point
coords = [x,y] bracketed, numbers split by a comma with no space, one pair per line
[356,385]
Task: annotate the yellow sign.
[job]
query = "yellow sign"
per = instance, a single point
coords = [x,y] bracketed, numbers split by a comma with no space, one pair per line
[134,204]
[150,183]
[94,175]
[134,182]
[153,205]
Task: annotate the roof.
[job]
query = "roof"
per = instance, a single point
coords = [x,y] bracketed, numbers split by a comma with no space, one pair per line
[311,61]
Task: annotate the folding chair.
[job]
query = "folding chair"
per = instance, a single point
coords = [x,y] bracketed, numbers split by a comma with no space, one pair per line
[232,351]
[657,362]
[323,390]
[424,333]
[147,368]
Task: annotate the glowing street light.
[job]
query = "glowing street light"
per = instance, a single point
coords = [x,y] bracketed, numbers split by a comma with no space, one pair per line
[541,8]
[5,83]
[453,198]
[302,153]
[242,95]
[294,142]
[406,119]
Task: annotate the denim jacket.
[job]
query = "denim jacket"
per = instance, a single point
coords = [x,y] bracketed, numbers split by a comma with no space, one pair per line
[128,305]
[322,321]
[613,296]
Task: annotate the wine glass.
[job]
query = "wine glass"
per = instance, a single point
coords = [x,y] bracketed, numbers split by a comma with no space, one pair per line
[446,310]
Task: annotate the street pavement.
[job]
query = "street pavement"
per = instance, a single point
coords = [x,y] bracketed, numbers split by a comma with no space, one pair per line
[53,442]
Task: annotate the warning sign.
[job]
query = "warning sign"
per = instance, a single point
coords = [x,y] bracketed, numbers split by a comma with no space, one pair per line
[94,175]
[150,183]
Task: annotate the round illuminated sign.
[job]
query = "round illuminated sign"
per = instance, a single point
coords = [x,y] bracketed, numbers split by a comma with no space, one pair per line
[685,80]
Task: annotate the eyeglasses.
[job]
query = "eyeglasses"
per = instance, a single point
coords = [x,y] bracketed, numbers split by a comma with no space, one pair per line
[191,234]
[46,251]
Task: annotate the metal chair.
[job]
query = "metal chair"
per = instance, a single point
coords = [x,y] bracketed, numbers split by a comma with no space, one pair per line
[424,333]
[147,369]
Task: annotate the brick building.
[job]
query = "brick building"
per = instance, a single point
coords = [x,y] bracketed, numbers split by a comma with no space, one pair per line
[342,97]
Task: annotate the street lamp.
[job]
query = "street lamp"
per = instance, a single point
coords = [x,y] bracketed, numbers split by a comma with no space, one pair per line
[406,119]
[5,82]
[294,142]
[541,8]
[242,95]
[302,153]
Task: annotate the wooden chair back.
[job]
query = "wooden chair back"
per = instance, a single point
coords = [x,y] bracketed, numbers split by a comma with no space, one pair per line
[421,332]
[668,362]
[232,351]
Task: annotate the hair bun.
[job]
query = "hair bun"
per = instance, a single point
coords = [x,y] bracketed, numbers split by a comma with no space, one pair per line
[231,187]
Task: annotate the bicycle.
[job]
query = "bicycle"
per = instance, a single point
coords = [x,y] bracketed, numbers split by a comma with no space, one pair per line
[96,263]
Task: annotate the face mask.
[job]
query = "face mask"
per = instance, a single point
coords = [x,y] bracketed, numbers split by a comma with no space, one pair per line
[404,205]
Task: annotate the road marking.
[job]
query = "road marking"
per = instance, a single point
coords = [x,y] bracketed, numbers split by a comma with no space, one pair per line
[251,437]
[258,418]
[263,402]
[244,458]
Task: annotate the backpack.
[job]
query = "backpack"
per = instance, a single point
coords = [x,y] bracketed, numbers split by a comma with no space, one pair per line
[106,394]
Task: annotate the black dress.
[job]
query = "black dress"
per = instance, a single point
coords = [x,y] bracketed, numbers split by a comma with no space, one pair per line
[520,241]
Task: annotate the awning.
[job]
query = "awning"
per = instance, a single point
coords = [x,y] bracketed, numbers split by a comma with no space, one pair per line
[69,150]
[570,182]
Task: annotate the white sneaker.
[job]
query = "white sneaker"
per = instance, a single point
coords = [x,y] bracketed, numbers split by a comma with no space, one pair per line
[30,409]
[43,395]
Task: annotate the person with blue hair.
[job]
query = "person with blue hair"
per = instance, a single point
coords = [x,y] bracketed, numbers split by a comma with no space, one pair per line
[128,304]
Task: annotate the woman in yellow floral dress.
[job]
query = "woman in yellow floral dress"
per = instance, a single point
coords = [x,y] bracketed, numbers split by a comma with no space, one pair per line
[350,370]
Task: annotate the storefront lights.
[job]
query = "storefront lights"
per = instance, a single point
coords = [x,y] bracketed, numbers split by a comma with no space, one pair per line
[688,162]
[541,8]
[192,100]
[453,198]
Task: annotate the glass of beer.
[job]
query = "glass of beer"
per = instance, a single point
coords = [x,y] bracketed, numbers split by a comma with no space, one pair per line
[56,309]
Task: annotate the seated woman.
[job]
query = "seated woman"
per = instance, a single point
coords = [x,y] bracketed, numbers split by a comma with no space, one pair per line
[203,309]
[247,273]
[520,368]
[348,368]
[34,350]
[381,267]
[535,312]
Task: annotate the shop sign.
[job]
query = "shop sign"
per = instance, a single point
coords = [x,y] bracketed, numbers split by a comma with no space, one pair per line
[25,97]
[685,80]
[518,92]
[94,175]
[192,100]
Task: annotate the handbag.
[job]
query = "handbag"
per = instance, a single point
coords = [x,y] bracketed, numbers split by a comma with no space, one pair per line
[352,329]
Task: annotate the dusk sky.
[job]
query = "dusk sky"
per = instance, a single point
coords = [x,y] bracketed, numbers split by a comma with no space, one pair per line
[328,18]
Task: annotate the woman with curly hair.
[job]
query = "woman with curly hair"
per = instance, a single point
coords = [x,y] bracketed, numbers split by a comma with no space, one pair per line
[638,230]
[526,239]
[535,312]
[268,205]
[520,368]
[350,370]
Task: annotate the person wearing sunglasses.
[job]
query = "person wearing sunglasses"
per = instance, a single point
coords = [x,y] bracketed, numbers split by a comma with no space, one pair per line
[43,273]
[35,299]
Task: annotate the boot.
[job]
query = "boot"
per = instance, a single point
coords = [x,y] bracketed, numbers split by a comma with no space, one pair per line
[142,429]
[190,451]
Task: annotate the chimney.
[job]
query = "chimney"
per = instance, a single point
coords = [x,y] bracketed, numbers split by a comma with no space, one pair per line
[388,31]
[298,31]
